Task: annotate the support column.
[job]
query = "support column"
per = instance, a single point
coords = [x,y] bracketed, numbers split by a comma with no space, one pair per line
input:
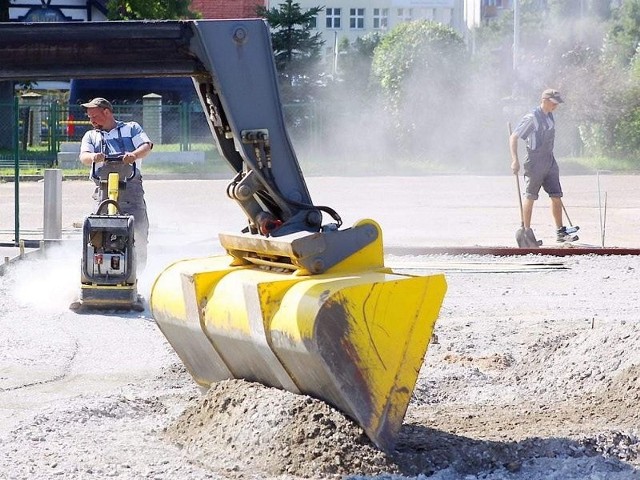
[33,100]
[152,116]
[52,204]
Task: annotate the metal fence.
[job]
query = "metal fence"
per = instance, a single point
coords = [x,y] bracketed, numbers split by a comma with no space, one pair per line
[36,131]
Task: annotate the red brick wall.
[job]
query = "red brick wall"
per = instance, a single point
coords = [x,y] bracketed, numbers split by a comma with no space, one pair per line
[226,8]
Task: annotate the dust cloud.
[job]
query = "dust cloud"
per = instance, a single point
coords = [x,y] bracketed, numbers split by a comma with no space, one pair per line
[51,285]
[452,117]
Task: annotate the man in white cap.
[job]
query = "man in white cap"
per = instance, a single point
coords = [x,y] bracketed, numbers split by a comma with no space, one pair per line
[537,129]
[128,140]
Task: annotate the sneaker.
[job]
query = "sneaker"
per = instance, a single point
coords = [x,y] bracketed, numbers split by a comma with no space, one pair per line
[563,237]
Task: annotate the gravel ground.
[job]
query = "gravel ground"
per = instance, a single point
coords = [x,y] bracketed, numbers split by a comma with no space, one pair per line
[533,373]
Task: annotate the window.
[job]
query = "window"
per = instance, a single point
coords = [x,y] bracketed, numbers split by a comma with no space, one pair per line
[405,14]
[333,17]
[313,22]
[380,18]
[356,18]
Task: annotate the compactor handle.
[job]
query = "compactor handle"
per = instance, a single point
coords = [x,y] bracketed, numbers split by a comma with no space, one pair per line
[113,159]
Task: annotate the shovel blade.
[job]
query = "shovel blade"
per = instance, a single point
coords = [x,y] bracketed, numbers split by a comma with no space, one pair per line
[520,238]
[530,238]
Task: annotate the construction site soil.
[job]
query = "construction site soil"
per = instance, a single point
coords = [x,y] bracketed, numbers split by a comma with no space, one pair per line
[533,371]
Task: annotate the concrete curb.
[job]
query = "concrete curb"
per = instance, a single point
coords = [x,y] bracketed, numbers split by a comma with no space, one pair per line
[26,249]
[12,253]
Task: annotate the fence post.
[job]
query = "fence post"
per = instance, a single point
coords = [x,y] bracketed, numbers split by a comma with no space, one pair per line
[54,124]
[52,204]
[185,126]
[16,170]
[33,100]
[152,116]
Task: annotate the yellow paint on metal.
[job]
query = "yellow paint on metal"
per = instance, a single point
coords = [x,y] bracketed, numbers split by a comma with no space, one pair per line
[368,258]
[112,191]
[236,320]
[177,298]
[359,342]
[167,296]
[108,296]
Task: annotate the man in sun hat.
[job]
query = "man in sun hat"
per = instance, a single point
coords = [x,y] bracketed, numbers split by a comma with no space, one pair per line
[537,129]
[111,137]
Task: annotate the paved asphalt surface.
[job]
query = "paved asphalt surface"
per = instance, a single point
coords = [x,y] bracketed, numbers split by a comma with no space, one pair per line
[432,211]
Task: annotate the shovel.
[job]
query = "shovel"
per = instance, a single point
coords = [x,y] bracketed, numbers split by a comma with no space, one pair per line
[520,233]
[524,236]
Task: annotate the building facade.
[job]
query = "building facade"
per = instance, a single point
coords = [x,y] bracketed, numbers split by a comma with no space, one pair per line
[226,8]
[57,11]
[351,19]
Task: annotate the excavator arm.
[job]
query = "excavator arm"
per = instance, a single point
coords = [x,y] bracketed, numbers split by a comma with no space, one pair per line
[294,304]
[246,120]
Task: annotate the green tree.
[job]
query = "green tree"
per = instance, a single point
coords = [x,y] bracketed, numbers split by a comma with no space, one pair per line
[421,68]
[353,74]
[296,48]
[415,48]
[149,10]
[575,9]
[355,59]
[622,40]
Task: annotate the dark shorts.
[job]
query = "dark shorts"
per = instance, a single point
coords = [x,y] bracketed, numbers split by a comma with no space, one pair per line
[541,172]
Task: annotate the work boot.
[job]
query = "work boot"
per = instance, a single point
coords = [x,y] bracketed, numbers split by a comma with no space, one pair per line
[562,236]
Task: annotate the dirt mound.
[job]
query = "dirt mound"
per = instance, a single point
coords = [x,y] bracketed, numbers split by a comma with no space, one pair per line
[249,427]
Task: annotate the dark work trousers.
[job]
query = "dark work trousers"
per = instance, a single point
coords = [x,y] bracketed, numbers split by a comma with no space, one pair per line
[131,202]
[541,168]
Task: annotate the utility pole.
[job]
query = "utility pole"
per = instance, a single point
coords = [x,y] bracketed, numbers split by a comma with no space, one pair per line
[516,44]
[335,53]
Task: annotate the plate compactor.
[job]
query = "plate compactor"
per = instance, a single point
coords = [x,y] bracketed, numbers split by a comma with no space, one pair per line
[295,303]
[108,270]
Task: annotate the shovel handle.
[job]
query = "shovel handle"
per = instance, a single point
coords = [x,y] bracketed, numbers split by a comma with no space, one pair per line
[520,199]
[565,213]
[517,184]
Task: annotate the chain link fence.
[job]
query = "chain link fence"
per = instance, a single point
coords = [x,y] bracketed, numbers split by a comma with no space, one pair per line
[36,130]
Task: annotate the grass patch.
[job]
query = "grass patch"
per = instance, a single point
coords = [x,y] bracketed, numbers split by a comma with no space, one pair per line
[31,162]
[313,164]
[586,165]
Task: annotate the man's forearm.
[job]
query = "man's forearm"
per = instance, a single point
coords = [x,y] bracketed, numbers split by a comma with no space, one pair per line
[86,158]
[142,151]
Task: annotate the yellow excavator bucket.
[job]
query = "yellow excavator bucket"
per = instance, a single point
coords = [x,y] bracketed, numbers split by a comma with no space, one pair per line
[352,336]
